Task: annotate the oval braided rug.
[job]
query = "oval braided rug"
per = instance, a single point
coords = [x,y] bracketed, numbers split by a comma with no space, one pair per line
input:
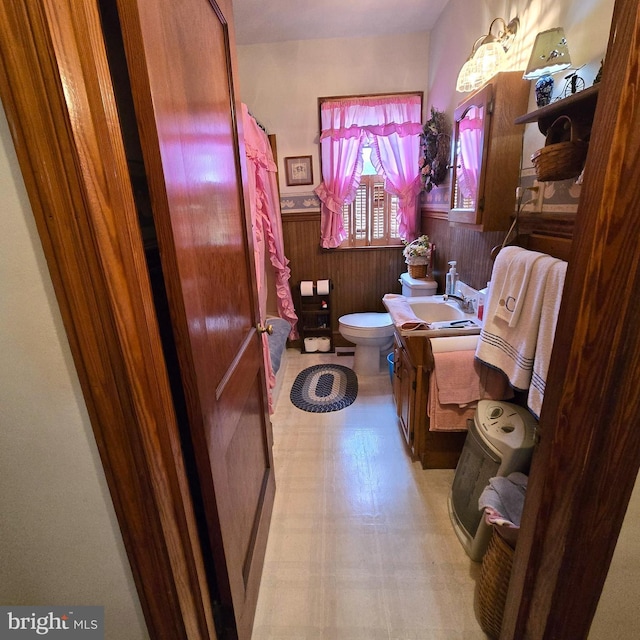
[324,387]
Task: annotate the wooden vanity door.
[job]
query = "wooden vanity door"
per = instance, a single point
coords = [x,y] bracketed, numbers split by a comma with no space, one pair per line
[404,383]
[180,59]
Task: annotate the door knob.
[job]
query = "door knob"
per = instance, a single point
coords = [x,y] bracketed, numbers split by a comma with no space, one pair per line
[262,329]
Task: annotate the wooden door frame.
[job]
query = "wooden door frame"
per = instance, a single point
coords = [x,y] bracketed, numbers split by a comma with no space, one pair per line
[586,464]
[55,87]
[56,90]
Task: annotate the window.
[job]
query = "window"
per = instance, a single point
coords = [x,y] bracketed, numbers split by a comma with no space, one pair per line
[371,219]
[390,126]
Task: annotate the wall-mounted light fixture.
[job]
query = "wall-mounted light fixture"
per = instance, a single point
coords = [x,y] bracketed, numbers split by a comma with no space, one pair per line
[488,56]
[550,55]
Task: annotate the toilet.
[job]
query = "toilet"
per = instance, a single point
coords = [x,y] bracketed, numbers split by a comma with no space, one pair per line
[372,333]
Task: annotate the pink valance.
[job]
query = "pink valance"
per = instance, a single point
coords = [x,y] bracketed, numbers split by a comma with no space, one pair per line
[393,125]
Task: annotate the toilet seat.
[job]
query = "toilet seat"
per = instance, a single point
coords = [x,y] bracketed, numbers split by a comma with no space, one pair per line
[369,323]
[372,333]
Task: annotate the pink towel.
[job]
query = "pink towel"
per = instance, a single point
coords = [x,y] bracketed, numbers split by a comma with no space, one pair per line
[456,384]
[446,417]
[402,314]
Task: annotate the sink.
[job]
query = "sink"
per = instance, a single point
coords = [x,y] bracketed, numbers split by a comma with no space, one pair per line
[444,318]
[435,309]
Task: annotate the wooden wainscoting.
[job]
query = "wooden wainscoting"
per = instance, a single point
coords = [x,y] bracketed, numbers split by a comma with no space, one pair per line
[360,276]
[470,249]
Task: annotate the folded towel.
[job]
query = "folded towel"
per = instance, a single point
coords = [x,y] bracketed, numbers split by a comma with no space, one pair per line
[512,349]
[456,384]
[402,314]
[515,283]
[446,417]
[461,379]
[546,332]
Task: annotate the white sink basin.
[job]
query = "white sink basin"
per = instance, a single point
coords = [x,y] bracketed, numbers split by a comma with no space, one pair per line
[434,309]
[444,318]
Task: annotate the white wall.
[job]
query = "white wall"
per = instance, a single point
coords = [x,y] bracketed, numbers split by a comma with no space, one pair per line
[281,83]
[59,539]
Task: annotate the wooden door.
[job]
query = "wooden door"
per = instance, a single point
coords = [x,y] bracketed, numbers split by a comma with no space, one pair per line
[181,72]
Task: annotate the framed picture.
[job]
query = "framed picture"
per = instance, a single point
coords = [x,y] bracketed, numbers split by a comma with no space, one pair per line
[299,170]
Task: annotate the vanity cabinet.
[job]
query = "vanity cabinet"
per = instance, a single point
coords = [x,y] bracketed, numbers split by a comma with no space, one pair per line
[486,153]
[413,362]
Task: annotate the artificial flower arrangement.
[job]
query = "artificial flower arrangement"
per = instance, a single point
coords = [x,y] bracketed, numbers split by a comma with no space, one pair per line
[435,143]
[418,251]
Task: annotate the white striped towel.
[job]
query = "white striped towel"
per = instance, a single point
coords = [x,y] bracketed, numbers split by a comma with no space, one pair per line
[512,349]
[546,333]
[515,283]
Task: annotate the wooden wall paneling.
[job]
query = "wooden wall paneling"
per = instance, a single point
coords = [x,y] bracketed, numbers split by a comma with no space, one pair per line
[360,277]
[471,249]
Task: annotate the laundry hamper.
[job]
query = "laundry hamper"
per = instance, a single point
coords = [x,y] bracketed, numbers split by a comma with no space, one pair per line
[492,586]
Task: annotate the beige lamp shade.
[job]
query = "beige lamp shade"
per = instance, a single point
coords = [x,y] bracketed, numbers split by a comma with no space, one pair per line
[550,54]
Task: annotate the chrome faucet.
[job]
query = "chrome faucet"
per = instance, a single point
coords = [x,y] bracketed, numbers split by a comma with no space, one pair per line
[466,304]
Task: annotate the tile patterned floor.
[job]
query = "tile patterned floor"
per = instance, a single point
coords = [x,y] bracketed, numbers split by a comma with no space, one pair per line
[360,546]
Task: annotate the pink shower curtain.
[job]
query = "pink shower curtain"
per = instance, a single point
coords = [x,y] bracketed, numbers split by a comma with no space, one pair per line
[393,124]
[266,223]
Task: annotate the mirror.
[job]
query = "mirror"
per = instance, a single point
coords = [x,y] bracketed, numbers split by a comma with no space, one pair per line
[471,123]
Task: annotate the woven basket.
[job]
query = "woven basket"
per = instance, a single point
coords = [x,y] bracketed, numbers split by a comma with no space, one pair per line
[493,584]
[560,158]
[417,270]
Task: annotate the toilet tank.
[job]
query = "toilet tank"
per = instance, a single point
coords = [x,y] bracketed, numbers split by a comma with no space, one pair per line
[412,287]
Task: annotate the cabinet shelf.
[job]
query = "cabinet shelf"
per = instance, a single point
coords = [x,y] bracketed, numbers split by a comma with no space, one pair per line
[580,107]
[314,320]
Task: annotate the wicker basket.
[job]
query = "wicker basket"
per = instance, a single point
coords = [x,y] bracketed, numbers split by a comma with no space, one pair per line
[493,584]
[417,270]
[560,158]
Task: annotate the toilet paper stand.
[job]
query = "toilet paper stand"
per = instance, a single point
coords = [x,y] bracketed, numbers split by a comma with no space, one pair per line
[314,309]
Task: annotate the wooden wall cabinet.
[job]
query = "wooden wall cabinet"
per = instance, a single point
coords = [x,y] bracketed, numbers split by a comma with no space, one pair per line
[486,153]
[413,362]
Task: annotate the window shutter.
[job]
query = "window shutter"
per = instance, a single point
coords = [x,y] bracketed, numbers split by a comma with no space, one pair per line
[370,220]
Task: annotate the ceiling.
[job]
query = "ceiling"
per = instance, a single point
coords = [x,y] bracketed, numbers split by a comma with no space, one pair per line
[258,21]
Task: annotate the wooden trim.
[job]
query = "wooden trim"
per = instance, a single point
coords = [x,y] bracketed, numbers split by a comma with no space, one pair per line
[56,89]
[306,216]
[587,462]
[558,225]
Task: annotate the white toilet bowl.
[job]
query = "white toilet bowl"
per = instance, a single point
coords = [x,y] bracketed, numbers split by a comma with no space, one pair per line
[372,333]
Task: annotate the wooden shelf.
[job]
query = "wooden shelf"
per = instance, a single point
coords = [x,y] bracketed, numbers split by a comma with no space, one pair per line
[314,319]
[580,107]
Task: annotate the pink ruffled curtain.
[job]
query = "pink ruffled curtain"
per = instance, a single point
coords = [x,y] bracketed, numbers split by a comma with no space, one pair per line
[471,129]
[266,224]
[393,125]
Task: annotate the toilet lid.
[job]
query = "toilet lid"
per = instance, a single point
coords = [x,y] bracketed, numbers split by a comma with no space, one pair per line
[366,320]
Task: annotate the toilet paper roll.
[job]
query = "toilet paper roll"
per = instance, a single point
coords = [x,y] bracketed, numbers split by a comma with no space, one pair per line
[310,344]
[323,287]
[324,344]
[306,288]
